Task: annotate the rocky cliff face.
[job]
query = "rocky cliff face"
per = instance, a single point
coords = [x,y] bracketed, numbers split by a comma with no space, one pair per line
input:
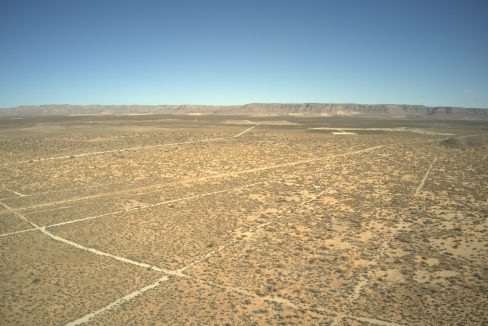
[255,109]
[385,110]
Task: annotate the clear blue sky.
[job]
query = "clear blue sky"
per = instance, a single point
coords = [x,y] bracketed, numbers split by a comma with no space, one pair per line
[234,52]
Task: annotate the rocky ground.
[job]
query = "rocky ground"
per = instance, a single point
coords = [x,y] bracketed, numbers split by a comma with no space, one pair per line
[224,220]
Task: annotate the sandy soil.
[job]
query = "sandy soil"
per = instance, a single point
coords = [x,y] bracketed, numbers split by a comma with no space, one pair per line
[123,220]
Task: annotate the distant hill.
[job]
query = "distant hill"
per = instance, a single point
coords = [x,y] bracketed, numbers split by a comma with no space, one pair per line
[254,109]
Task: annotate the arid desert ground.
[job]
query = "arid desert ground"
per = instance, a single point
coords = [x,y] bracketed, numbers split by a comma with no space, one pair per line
[204,220]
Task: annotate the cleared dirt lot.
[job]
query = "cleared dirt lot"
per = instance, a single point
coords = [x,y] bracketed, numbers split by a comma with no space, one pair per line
[176,220]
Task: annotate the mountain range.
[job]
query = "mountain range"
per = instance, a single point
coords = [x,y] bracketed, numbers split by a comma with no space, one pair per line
[254,109]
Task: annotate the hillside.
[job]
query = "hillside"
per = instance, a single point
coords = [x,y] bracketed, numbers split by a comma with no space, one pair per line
[254,109]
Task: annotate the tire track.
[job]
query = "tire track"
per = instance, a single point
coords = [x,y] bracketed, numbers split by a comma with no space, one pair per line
[135,148]
[216,176]
[11,210]
[425,177]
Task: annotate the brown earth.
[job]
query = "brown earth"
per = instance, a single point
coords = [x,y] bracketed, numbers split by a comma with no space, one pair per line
[177,220]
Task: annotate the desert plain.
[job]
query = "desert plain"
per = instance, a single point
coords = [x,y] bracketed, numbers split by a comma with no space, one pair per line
[234,220]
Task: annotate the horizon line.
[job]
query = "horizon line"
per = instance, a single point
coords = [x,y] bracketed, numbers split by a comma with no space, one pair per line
[238,105]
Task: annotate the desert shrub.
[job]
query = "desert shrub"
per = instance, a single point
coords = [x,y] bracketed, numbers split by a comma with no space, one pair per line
[454,143]
[465,143]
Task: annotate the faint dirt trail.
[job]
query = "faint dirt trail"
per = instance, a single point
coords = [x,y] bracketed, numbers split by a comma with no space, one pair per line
[425,177]
[10,210]
[174,273]
[247,293]
[179,273]
[174,200]
[289,164]
[242,133]
[118,302]
[294,305]
[40,193]
[363,281]
[79,246]
[357,289]
[246,235]
[64,157]
[158,204]
[17,232]
[15,192]
[374,321]
[216,176]
[22,217]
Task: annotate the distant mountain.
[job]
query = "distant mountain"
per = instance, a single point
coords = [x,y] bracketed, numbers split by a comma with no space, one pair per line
[254,109]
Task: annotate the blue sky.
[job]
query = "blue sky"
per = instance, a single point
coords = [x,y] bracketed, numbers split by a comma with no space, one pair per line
[234,52]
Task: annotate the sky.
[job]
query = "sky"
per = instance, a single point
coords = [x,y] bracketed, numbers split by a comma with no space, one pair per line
[426,52]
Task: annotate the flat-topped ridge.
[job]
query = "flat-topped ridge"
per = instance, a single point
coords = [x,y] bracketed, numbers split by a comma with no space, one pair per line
[254,109]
